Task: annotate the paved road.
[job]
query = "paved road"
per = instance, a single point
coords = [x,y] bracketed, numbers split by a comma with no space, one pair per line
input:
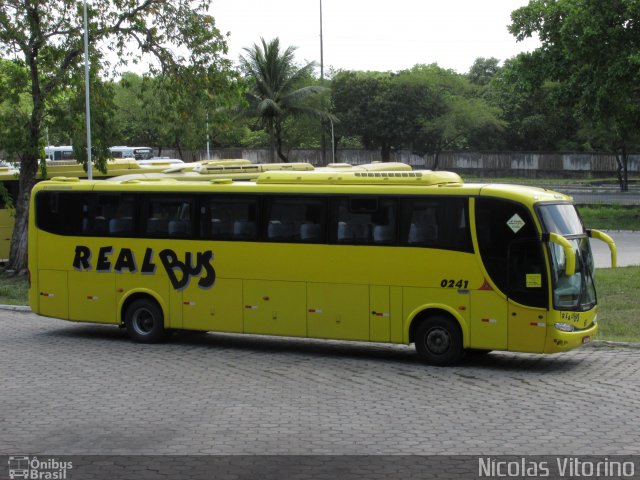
[84,389]
[627,245]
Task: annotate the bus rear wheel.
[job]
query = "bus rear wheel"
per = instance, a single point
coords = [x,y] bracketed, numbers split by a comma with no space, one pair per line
[439,341]
[144,321]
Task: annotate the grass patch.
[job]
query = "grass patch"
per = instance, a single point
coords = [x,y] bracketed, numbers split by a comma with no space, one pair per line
[14,290]
[611,217]
[618,293]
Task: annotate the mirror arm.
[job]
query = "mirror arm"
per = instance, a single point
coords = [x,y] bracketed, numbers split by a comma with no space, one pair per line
[603,237]
[569,253]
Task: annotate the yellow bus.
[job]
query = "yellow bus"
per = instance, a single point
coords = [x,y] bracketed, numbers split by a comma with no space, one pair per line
[398,257]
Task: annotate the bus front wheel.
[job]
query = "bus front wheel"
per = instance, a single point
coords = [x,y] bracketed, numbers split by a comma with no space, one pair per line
[439,341]
[144,321]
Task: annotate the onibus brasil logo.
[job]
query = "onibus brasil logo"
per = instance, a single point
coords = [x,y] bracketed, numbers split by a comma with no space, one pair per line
[38,469]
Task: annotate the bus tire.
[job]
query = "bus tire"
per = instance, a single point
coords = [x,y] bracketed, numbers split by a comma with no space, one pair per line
[144,321]
[438,341]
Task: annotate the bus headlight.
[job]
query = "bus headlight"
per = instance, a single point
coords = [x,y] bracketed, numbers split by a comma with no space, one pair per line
[564,327]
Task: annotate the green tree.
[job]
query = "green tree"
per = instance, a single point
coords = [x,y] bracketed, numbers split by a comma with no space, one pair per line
[278,92]
[483,70]
[425,109]
[461,113]
[592,47]
[539,112]
[47,37]
[363,103]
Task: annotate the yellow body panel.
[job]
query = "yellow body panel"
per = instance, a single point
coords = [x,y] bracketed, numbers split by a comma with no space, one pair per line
[274,307]
[219,309]
[338,310]
[527,328]
[6,230]
[92,297]
[51,292]
[333,291]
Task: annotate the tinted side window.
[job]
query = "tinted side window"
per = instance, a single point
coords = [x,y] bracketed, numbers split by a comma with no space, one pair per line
[296,219]
[168,216]
[62,213]
[365,220]
[436,223]
[112,214]
[229,218]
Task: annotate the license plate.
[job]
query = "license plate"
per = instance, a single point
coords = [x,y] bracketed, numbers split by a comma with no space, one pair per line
[586,340]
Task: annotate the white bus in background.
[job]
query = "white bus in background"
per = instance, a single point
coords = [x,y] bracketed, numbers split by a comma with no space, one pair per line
[139,153]
[63,152]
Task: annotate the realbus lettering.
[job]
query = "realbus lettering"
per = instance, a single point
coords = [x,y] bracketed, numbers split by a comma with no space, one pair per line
[126,260]
[103,264]
[204,260]
[179,272]
[82,258]
[147,264]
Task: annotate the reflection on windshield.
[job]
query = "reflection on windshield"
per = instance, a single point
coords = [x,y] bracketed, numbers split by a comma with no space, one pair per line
[571,292]
[562,219]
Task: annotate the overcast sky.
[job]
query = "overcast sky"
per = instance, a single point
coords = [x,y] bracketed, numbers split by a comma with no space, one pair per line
[377,35]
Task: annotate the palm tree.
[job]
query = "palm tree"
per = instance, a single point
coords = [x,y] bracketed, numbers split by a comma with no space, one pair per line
[275,95]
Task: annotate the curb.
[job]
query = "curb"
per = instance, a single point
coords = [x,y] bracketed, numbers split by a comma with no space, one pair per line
[610,344]
[16,308]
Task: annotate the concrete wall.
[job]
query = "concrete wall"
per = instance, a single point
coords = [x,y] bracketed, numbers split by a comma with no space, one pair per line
[488,164]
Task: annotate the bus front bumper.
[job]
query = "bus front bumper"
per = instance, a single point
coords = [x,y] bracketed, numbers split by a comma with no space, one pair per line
[561,341]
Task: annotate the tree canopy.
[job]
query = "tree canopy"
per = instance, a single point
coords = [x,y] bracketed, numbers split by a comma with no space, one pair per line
[425,109]
[278,90]
[592,48]
[46,39]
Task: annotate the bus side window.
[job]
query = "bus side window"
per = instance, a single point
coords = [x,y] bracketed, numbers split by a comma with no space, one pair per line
[229,218]
[61,213]
[436,223]
[113,215]
[169,216]
[295,219]
[365,220]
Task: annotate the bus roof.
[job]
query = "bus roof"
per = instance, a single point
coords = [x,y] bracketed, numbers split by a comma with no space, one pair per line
[370,183]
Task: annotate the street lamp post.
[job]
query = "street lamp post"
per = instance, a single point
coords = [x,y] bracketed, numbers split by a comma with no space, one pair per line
[86,91]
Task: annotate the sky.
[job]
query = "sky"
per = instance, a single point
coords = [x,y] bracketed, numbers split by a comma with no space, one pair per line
[376,35]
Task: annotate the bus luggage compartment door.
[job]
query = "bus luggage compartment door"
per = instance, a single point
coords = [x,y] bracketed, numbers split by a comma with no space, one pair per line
[217,309]
[338,311]
[52,294]
[274,307]
[92,297]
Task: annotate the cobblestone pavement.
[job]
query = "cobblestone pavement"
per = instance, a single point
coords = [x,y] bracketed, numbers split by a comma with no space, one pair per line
[87,389]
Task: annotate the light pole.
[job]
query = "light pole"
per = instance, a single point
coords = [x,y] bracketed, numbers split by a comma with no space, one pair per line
[322,124]
[333,144]
[86,92]
[208,155]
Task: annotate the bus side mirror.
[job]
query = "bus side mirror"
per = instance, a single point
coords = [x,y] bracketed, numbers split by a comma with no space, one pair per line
[603,237]
[569,253]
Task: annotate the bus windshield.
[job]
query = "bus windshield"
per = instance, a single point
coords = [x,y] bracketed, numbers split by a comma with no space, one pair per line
[577,291]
